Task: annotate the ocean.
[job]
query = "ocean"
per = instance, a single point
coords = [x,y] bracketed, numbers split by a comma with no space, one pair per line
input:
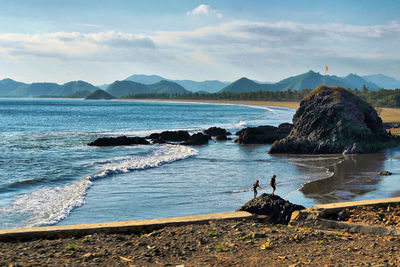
[48,174]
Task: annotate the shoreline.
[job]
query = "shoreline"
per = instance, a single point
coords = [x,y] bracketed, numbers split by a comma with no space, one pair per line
[386,114]
[289,104]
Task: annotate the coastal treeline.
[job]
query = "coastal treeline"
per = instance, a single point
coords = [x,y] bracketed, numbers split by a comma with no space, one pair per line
[288,95]
[380,98]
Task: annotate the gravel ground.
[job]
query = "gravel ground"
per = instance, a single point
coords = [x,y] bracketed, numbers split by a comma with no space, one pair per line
[384,215]
[220,243]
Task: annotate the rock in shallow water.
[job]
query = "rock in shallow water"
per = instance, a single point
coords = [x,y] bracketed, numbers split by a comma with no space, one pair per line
[276,208]
[119,141]
[215,131]
[174,136]
[197,139]
[265,134]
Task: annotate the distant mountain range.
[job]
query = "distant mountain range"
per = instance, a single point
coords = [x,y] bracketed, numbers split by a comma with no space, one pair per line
[308,80]
[383,81]
[154,84]
[192,86]
[11,88]
[125,88]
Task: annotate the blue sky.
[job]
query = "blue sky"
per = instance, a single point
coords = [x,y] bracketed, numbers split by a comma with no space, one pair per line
[102,41]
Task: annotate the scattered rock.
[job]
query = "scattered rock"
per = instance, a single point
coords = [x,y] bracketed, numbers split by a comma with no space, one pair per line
[174,136]
[276,208]
[334,120]
[221,137]
[385,173]
[257,135]
[197,139]
[215,131]
[119,141]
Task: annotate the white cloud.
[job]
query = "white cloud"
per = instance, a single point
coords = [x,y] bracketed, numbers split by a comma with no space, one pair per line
[72,44]
[263,51]
[204,10]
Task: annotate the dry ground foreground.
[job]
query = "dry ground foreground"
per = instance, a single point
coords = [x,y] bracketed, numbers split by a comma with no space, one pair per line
[251,242]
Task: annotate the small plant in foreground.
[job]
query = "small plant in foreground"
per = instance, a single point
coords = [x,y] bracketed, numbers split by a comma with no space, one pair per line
[266,245]
[212,234]
[71,247]
[221,248]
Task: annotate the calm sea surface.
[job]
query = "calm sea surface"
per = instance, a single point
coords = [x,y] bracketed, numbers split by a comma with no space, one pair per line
[48,175]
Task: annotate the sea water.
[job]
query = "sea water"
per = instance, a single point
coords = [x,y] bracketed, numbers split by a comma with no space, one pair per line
[48,174]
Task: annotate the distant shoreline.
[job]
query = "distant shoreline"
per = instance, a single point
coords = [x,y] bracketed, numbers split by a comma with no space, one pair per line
[386,114]
[289,104]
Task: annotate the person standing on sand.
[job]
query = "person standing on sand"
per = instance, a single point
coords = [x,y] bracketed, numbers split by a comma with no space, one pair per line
[273,183]
[255,185]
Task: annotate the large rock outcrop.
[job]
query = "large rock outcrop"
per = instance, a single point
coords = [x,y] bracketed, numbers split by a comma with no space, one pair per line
[334,120]
[276,208]
[265,134]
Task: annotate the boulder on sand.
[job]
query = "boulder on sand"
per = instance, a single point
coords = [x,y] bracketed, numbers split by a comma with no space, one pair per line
[334,120]
[119,141]
[215,131]
[277,209]
[174,136]
[197,139]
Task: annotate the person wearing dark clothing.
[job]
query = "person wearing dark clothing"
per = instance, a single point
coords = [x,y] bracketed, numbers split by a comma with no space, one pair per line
[255,185]
[273,184]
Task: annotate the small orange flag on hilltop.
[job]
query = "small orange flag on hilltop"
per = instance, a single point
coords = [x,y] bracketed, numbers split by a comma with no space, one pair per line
[326,68]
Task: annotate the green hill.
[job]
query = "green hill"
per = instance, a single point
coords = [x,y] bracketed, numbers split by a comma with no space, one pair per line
[306,80]
[383,81]
[71,88]
[99,94]
[145,79]
[192,86]
[245,85]
[7,86]
[129,88]
[205,86]
[34,90]
[356,81]
[124,88]
[167,87]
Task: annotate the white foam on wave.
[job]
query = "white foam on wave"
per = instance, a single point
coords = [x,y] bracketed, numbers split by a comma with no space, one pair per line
[50,205]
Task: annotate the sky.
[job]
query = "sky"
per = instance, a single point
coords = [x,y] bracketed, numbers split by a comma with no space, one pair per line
[102,41]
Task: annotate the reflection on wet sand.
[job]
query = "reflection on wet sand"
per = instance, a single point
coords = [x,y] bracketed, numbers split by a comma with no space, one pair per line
[355,175]
[347,176]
